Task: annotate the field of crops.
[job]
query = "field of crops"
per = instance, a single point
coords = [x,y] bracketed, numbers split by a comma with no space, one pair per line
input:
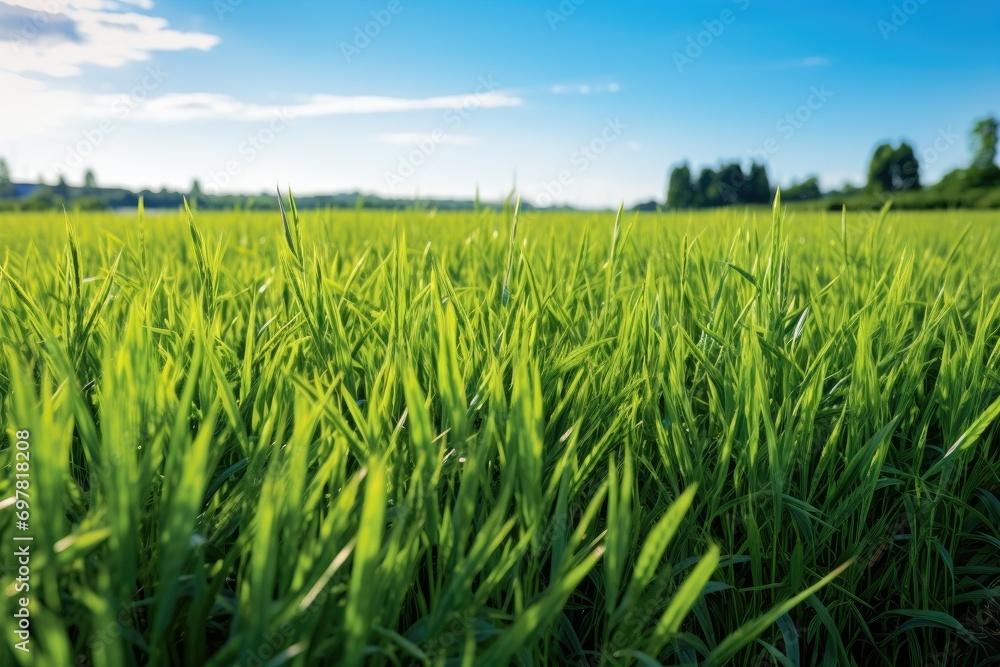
[484,438]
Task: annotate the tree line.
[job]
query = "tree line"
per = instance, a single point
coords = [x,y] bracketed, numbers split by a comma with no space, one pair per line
[728,185]
[892,171]
[90,196]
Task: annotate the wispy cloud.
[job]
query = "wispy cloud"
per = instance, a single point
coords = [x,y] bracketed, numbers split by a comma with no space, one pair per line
[33,109]
[59,37]
[585,88]
[42,41]
[41,110]
[179,107]
[814,61]
[811,61]
[418,137]
[795,63]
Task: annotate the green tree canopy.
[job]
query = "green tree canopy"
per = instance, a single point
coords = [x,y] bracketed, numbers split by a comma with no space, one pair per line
[894,169]
[706,191]
[984,143]
[758,185]
[731,184]
[680,189]
[723,187]
[61,188]
[807,189]
[6,187]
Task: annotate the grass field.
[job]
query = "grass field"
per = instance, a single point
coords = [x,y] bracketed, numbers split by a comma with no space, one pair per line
[727,437]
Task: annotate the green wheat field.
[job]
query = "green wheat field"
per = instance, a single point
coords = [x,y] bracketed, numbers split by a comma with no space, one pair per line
[502,437]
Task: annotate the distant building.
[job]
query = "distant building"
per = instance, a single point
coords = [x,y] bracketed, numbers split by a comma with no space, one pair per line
[22,190]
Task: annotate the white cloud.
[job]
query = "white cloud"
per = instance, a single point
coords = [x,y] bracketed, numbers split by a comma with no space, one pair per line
[425,137]
[585,89]
[40,110]
[813,61]
[33,109]
[176,107]
[58,37]
[810,61]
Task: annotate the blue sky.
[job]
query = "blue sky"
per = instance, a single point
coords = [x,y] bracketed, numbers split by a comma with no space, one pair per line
[587,102]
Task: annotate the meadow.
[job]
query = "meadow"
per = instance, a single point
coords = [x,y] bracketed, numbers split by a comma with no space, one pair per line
[726,437]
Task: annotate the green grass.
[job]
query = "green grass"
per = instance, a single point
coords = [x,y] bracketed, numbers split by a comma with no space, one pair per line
[490,439]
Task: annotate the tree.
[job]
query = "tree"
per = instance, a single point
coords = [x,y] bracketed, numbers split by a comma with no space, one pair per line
[759,188]
[878,168]
[680,191]
[893,169]
[737,187]
[61,189]
[706,191]
[89,180]
[195,193]
[905,170]
[807,189]
[984,143]
[6,187]
[727,186]
[731,184]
